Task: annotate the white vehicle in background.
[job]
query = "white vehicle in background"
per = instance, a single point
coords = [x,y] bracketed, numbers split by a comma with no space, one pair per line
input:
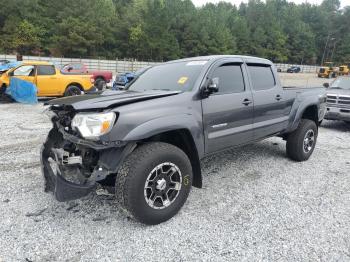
[338,99]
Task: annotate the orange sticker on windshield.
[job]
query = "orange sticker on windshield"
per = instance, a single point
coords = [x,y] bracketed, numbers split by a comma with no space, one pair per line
[182,80]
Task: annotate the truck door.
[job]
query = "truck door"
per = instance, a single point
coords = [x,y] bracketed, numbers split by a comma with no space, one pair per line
[25,72]
[270,110]
[228,114]
[47,81]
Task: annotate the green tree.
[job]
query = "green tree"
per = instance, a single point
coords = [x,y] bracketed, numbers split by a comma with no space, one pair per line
[168,29]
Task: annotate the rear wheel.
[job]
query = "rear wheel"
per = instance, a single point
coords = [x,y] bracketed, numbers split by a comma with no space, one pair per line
[72,91]
[301,143]
[154,182]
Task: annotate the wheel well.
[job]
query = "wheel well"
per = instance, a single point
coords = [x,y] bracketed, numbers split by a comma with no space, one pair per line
[182,139]
[311,113]
[100,78]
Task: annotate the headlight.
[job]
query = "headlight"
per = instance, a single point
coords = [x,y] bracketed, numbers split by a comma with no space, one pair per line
[92,126]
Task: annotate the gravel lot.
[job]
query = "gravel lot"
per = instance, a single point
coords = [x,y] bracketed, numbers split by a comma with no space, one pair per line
[302,80]
[255,205]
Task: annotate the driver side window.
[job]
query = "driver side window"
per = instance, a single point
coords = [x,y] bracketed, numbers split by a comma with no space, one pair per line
[26,70]
[230,78]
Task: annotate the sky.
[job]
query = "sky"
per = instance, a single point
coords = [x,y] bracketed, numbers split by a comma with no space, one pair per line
[237,2]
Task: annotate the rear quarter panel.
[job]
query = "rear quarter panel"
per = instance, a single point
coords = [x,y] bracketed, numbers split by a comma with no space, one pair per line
[304,98]
[64,80]
[107,75]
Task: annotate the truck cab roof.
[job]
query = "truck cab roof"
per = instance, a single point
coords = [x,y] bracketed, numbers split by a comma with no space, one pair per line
[249,59]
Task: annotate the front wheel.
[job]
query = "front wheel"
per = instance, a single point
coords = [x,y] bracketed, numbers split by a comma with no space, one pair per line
[154,182]
[301,143]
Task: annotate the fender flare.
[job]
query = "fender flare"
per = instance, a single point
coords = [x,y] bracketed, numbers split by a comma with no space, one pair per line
[169,123]
[300,111]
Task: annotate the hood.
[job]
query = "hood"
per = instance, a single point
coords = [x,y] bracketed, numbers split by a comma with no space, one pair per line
[331,91]
[108,99]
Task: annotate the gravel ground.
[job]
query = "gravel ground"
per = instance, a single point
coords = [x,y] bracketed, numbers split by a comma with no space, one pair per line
[255,205]
[302,80]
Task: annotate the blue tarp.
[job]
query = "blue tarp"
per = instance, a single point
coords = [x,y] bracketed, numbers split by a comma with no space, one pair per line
[22,91]
[8,66]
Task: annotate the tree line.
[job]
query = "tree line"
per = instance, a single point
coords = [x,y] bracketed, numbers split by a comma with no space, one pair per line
[162,30]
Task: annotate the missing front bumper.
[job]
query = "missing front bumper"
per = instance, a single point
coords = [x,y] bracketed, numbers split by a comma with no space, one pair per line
[62,189]
[58,170]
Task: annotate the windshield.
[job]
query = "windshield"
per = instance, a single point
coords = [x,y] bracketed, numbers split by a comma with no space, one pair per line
[3,62]
[178,76]
[341,83]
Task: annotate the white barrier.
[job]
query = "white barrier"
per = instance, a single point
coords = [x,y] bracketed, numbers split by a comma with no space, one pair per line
[127,65]
[116,66]
[304,68]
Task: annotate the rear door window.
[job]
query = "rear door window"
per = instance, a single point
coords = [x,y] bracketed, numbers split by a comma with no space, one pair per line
[261,76]
[46,70]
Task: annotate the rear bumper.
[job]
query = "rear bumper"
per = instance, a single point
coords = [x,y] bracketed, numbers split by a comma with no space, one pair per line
[68,176]
[335,113]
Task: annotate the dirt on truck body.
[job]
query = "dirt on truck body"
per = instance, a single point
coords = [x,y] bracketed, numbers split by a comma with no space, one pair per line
[147,141]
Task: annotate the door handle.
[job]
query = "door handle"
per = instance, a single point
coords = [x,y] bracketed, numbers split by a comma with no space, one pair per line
[278,97]
[246,102]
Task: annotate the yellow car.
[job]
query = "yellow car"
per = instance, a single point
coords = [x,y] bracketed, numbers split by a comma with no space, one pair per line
[49,80]
[344,70]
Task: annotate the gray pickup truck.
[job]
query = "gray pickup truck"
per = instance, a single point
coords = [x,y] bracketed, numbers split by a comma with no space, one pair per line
[147,140]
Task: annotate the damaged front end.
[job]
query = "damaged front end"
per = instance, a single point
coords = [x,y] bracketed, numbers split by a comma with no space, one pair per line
[72,166]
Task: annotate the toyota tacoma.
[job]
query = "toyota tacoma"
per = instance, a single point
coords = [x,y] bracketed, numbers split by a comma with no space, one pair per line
[147,141]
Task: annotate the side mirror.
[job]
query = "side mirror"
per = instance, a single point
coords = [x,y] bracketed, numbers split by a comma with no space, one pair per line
[326,85]
[11,73]
[213,86]
[69,69]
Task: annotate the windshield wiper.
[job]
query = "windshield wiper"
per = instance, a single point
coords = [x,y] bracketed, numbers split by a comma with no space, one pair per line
[335,87]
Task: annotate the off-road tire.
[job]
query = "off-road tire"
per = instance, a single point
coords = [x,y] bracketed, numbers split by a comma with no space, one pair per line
[100,84]
[132,176]
[72,90]
[295,141]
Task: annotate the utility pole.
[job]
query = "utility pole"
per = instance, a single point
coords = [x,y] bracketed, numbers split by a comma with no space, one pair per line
[333,50]
[324,51]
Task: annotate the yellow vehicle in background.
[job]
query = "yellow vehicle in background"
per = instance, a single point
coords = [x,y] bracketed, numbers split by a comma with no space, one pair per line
[324,72]
[49,80]
[344,70]
[328,70]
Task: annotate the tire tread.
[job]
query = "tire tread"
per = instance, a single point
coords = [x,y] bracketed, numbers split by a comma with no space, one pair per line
[294,151]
